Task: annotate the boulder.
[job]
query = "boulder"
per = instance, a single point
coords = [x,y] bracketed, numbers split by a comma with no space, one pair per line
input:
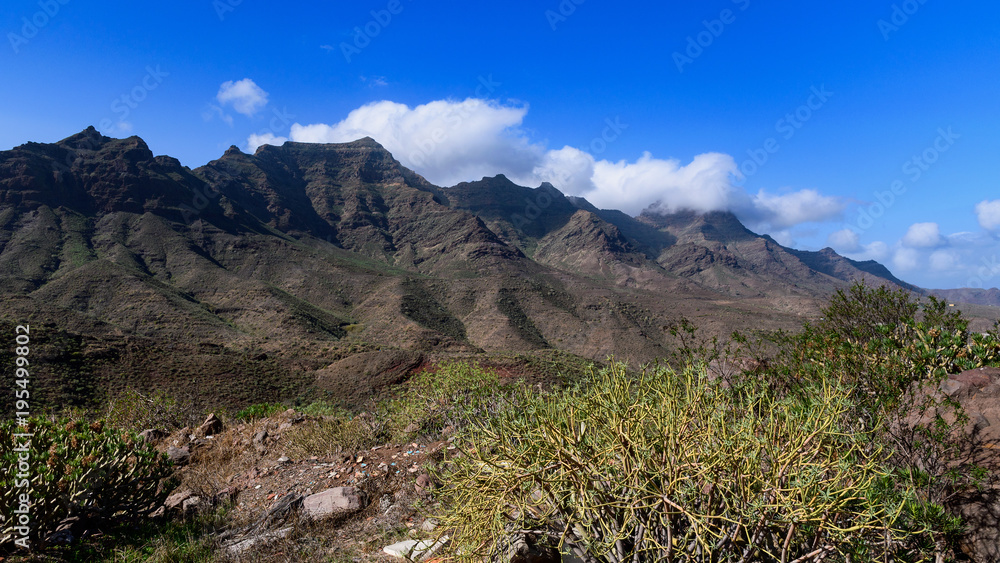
[337,500]
[152,435]
[978,393]
[179,456]
[980,511]
[212,426]
[191,505]
[176,500]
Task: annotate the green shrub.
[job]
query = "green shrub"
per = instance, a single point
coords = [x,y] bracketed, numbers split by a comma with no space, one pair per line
[333,434]
[670,467]
[261,410]
[91,471]
[451,395]
[137,411]
[454,394]
[891,352]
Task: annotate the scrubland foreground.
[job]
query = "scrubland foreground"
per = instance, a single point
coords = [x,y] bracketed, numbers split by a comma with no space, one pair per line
[870,436]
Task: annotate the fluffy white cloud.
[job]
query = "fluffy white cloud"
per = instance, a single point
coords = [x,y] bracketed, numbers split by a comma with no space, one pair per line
[701,185]
[906,259]
[844,240]
[877,250]
[944,260]
[257,139]
[449,141]
[988,213]
[923,235]
[243,95]
[446,141]
[803,206]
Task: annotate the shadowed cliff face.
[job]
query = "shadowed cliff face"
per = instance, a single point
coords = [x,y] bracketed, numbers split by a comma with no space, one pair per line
[307,247]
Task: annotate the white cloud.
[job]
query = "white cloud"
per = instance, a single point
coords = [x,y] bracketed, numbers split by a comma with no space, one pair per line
[988,213]
[450,141]
[244,96]
[878,251]
[701,185]
[923,235]
[803,206]
[906,259]
[844,240]
[257,139]
[446,141]
[944,260]
[784,238]
[212,111]
[374,81]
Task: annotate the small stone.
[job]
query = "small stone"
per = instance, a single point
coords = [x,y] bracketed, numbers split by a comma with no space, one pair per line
[429,524]
[424,483]
[283,459]
[333,501]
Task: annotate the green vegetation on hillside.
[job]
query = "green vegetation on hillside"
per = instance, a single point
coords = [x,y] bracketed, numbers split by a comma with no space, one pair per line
[829,444]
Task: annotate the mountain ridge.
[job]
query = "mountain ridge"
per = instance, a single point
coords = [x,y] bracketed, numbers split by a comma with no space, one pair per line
[304,254]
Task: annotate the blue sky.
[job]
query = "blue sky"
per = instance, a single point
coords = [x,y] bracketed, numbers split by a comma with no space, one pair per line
[802,118]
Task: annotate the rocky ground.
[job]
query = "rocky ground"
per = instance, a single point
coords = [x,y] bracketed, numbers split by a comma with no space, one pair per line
[348,505]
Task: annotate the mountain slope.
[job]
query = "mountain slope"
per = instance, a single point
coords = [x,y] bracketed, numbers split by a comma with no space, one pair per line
[252,277]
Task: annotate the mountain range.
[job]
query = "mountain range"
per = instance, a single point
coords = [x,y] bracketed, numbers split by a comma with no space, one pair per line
[333,269]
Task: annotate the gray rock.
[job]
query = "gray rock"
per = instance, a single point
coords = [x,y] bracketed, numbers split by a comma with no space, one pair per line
[415,550]
[258,441]
[239,547]
[333,501]
[179,456]
[152,435]
[190,505]
[176,500]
